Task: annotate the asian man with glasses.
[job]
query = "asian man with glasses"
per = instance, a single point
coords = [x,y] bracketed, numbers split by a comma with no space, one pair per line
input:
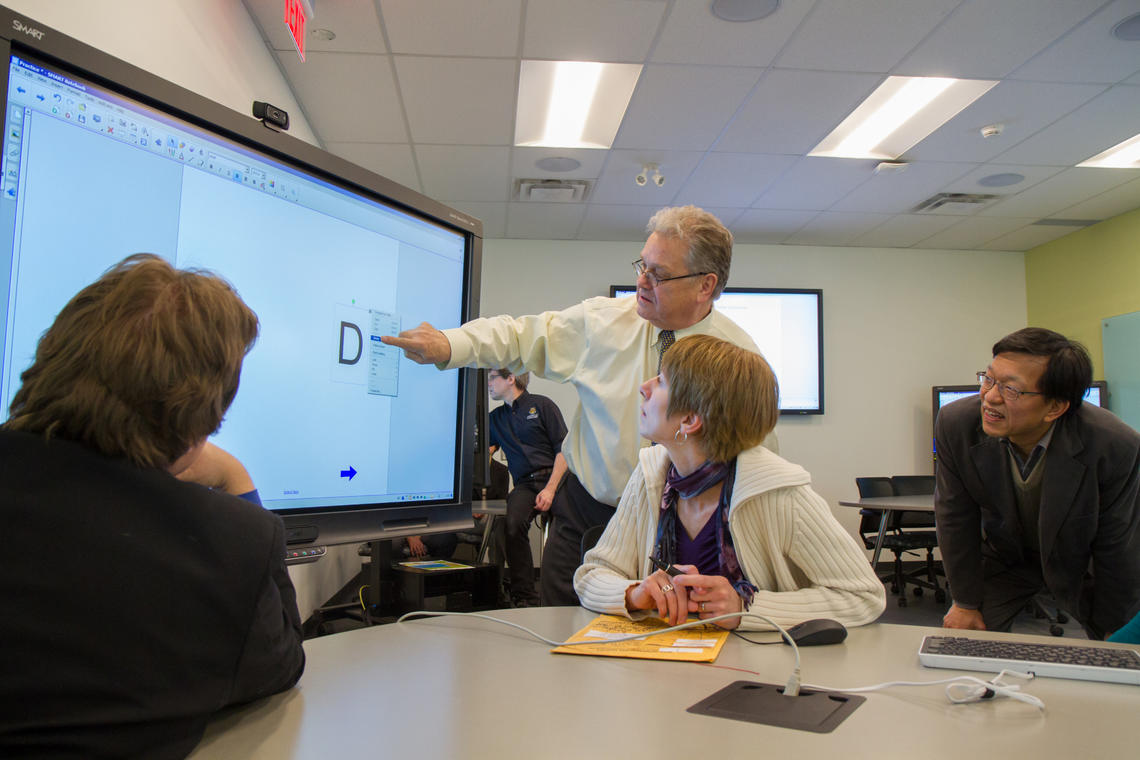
[1037,491]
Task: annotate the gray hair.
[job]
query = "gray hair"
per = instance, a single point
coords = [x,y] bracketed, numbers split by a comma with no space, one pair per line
[709,241]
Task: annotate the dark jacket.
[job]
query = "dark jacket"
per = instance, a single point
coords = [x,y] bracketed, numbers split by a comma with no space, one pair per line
[135,606]
[1089,518]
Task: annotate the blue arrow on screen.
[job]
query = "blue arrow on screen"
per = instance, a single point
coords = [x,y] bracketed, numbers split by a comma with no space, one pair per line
[350,473]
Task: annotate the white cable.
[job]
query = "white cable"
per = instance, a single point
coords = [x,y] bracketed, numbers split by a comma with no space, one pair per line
[791,688]
[959,690]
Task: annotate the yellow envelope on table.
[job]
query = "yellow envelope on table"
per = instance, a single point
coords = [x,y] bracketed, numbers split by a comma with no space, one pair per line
[699,644]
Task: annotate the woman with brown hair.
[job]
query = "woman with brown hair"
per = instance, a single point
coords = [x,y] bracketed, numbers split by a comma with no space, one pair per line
[742,524]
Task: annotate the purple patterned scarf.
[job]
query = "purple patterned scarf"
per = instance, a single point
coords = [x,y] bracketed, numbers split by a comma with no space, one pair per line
[703,478]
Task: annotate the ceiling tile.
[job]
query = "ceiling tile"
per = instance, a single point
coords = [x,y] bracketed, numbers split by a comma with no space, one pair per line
[613,222]
[831,228]
[354,22]
[591,30]
[987,40]
[453,27]
[616,185]
[392,161]
[904,230]
[375,115]
[816,183]
[1067,60]
[769,225]
[894,193]
[659,116]
[544,221]
[1108,204]
[493,216]
[728,179]
[1022,108]
[523,162]
[972,233]
[1060,191]
[969,183]
[824,40]
[465,101]
[693,35]
[463,172]
[1029,236]
[1104,121]
[791,111]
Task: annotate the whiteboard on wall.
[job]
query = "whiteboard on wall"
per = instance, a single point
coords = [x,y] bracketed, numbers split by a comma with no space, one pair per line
[1120,336]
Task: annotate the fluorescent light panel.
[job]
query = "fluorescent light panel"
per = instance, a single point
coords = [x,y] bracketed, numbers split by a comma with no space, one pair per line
[572,104]
[898,114]
[1125,155]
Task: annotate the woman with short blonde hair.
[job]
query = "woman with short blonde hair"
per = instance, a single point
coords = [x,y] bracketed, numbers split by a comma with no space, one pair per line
[743,525]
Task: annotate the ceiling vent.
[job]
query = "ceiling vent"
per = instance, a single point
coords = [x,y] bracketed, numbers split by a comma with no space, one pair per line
[552,190]
[953,200]
[1066,222]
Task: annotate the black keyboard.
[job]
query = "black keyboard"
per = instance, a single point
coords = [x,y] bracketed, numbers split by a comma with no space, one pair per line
[1086,663]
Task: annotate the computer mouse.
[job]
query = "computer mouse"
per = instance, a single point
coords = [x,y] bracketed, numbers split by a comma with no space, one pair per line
[818,631]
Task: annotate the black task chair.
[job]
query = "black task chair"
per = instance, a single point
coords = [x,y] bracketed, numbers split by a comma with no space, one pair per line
[869,519]
[589,538]
[904,533]
[917,530]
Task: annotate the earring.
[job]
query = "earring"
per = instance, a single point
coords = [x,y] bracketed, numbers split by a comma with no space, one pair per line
[680,440]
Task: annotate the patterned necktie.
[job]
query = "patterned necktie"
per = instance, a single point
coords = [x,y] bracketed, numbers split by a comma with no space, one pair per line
[665,340]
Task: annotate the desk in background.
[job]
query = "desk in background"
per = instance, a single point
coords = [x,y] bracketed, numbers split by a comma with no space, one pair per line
[888,504]
[463,687]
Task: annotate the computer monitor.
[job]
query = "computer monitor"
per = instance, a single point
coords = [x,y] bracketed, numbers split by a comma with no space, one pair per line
[345,438]
[787,326]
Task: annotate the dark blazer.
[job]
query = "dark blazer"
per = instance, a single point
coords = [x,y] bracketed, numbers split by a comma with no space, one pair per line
[1089,517]
[135,606]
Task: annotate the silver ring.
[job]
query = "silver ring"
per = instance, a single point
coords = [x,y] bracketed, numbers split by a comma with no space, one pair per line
[667,587]
[701,607]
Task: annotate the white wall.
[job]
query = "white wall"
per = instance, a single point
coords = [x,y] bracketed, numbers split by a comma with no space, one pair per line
[213,48]
[896,322]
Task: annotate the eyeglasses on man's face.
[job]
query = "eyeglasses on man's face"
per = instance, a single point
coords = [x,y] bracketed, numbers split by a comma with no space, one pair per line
[655,279]
[1008,392]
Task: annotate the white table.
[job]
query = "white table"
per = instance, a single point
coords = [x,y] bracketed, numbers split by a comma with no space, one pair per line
[888,504]
[467,688]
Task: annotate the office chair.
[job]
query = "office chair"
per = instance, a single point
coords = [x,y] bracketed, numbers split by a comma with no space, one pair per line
[869,519]
[918,529]
[1040,607]
[900,538]
[589,538]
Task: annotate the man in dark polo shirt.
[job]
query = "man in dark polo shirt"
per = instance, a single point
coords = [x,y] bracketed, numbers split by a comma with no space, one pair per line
[529,429]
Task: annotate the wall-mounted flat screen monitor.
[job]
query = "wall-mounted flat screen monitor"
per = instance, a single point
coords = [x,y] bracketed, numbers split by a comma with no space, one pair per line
[787,326]
[345,438]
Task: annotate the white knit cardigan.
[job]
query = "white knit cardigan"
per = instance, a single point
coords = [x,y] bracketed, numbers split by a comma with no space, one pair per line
[788,543]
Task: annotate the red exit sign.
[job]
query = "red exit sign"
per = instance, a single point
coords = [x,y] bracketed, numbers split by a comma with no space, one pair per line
[297,14]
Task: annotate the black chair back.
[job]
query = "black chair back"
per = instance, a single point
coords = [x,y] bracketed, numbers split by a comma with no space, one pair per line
[912,485]
[868,488]
[589,538]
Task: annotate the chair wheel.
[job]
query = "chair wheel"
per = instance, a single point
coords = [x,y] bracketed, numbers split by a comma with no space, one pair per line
[1056,630]
[917,591]
[1062,618]
[902,601]
[940,596]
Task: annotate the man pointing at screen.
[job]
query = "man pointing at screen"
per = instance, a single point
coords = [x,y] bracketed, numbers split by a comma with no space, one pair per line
[605,347]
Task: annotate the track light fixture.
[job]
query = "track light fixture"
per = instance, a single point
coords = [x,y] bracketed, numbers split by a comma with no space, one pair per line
[648,171]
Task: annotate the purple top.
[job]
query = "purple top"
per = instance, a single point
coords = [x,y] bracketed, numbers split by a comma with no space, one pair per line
[702,551]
